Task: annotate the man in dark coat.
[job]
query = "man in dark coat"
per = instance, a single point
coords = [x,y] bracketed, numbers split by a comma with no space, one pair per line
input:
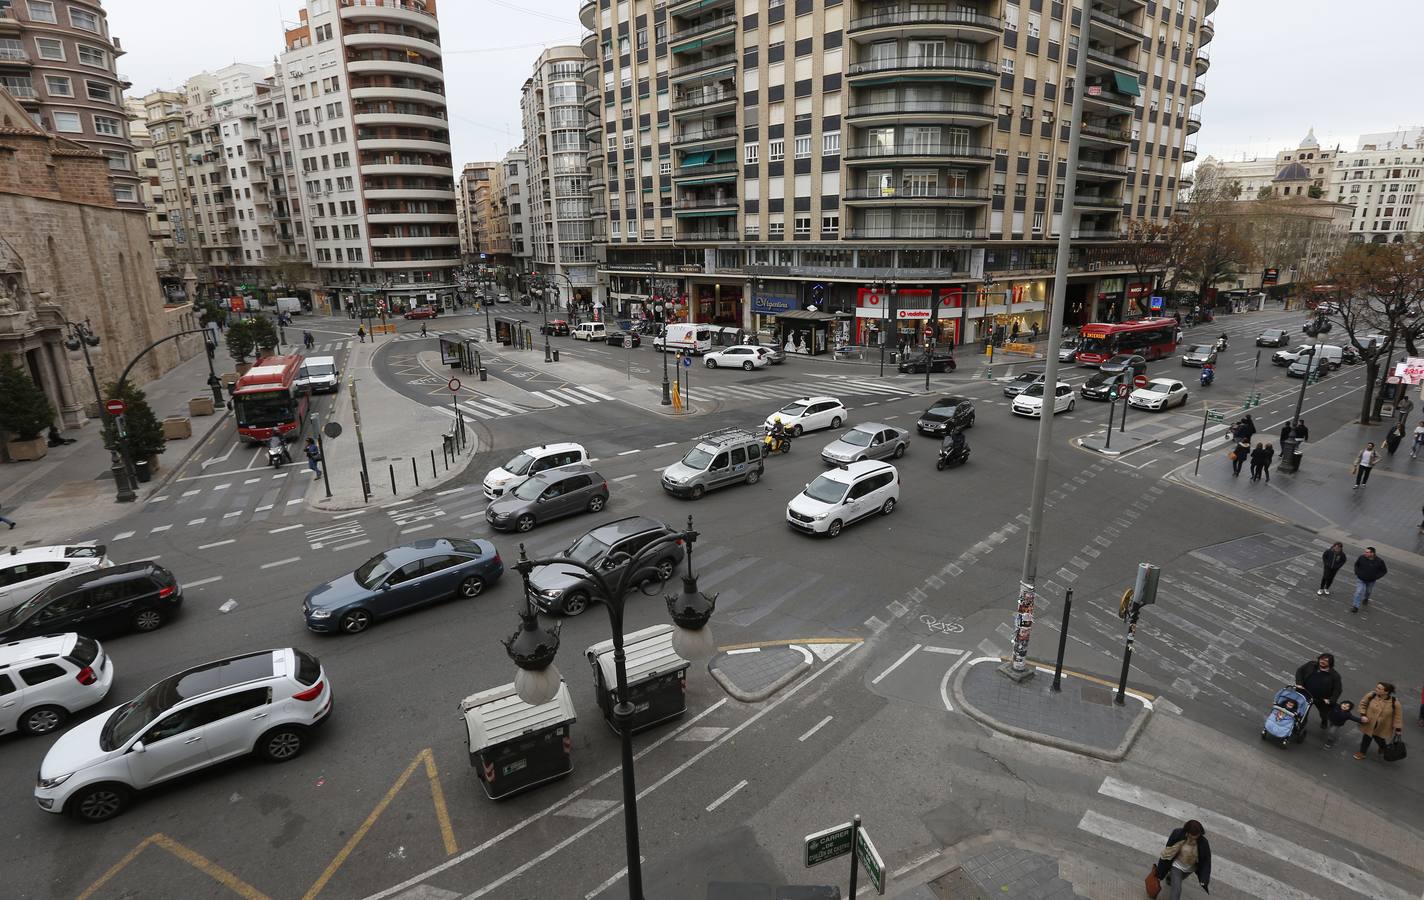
[1369,568]
[1182,844]
[1318,678]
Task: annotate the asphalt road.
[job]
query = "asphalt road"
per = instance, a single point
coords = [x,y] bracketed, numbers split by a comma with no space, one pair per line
[385,797]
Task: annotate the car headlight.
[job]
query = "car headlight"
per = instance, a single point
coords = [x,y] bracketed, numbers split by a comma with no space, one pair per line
[319,614]
[818,518]
[56,781]
[551,593]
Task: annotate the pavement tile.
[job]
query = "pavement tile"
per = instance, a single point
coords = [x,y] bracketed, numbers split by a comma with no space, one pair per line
[1083,712]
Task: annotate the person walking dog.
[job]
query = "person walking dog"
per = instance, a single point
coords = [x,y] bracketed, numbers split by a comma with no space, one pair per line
[1187,853]
[1333,560]
[1369,568]
[1364,463]
[1381,718]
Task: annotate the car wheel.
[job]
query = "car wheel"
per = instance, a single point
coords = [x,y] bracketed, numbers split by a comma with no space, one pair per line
[42,720]
[355,621]
[836,422]
[472,587]
[596,502]
[711,363]
[1072,401]
[525,522]
[99,802]
[899,451]
[697,491]
[753,476]
[282,743]
[148,620]
[748,366]
[575,603]
[888,507]
[666,568]
[796,429]
[833,529]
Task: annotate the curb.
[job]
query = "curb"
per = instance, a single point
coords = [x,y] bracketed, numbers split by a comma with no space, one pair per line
[736,693]
[192,450]
[1115,755]
[1108,451]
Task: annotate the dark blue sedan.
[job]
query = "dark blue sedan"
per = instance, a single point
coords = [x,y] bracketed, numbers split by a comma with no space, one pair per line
[401,579]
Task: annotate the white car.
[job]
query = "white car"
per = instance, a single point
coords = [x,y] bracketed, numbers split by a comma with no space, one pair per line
[1160,393]
[808,414]
[45,680]
[842,496]
[1030,402]
[531,462]
[263,703]
[743,356]
[24,573]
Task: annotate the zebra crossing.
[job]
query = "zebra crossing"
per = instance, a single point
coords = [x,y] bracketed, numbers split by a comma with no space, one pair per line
[480,406]
[326,347]
[839,386]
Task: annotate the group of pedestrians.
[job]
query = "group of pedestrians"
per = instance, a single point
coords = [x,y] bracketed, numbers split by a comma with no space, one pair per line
[1263,455]
[1379,714]
[1369,568]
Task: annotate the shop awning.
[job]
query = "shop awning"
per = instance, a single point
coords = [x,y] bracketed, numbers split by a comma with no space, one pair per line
[1126,84]
[807,315]
[696,159]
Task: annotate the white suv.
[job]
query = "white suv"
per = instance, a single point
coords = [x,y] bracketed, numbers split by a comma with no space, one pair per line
[24,573]
[45,680]
[263,703]
[842,496]
[531,462]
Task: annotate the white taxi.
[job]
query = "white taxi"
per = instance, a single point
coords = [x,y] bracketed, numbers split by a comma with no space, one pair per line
[808,414]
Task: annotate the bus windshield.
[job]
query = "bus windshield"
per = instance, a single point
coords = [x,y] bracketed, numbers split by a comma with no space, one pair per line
[264,410]
[1106,345]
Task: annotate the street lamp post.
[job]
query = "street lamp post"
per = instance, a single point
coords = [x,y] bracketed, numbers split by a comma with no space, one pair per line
[532,649]
[82,337]
[667,388]
[885,288]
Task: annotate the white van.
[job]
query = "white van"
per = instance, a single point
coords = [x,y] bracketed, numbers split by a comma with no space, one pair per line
[320,374]
[685,337]
[590,331]
[289,305]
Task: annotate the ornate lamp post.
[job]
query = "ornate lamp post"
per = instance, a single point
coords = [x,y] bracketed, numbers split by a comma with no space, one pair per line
[82,337]
[532,649]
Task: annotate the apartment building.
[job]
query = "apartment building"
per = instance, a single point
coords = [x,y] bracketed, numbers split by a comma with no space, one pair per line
[475,196]
[58,60]
[560,231]
[365,93]
[170,202]
[283,238]
[1260,174]
[515,191]
[751,161]
[150,193]
[500,249]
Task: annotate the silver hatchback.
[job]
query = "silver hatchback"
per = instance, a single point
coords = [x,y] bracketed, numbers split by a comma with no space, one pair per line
[553,494]
[869,440]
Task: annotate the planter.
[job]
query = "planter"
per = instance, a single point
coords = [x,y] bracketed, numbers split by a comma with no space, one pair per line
[179,427]
[242,368]
[264,352]
[200,406]
[25,451]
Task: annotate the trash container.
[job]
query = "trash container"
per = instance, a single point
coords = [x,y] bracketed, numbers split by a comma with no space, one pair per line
[514,746]
[142,472]
[1290,455]
[657,677]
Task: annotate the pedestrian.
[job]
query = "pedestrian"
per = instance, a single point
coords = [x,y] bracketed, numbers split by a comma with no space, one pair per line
[1034,331]
[1381,718]
[8,521]
[1245,428]
[1302,433]
[1258,459]
[1394,438]
[1270,458]
[313,453]
[1333,561]
[1369,568]
[1187,853]
[361,333]
[1363,464]
[1418,440]
[1239,454]
[422,329]
[1014,334]
[1321,683]
[1340,713]
[307,340]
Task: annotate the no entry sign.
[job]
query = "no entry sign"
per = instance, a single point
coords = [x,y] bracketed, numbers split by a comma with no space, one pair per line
[1139,381]
[115,407]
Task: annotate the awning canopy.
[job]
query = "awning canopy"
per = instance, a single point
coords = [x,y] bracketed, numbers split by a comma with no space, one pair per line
[812,315]
[1126,84]
[725,156]
[700,158]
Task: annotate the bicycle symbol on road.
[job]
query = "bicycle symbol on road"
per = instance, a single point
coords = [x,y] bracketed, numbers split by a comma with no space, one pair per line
[942,626]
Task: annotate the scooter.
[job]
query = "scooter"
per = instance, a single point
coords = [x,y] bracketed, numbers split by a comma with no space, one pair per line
[776,444]
[1208,375]
[1221,344]
[953,455]
[276,454]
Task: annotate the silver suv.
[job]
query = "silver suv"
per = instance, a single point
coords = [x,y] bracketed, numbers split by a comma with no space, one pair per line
[719,458]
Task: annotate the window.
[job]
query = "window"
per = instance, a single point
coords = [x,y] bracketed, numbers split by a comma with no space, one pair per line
[1038,221]
[642,38]
[830,143]
[41,673]
[778,229]
[1008,65]
[97,90]
[83,18]
[323,33]
[1034,21]
[803,224]
[830,224]
[42,11]
[803,150]
[665,168]
[93,56]
[48,48]
[68,122]
[752,151]
[108,125]
[776,151]
[58,86]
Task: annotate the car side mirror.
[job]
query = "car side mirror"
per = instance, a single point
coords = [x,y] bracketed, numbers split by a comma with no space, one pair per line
[138,747]
[385,586]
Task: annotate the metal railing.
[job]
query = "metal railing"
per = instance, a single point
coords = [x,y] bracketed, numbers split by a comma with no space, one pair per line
[389,4]
[1106,131]
[703,65]
[935,16]
[710,134]
[957,151]
[705,98]
[702,28]
[907,107]
[1111,59]
[937,63]
[1095,200]
[705,169]
[1095,165]
[1102,15]
[918,193]
[710,234]
[915,233]
[729,203]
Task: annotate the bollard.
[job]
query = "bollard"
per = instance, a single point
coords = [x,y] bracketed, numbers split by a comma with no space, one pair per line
[413,473]
[1062,641]
[484,373]
[365,488]
[434,473]
[556,356]
[392,467]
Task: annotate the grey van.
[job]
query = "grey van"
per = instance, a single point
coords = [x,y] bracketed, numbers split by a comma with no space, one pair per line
[719,458]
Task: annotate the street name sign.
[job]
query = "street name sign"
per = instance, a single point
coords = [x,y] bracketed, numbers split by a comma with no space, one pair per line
[824,846]
[869,858]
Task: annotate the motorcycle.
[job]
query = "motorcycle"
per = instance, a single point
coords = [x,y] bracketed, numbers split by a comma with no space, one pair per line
[952,455]
[1208,375]
[777,443]
[276,454]
[1221,344]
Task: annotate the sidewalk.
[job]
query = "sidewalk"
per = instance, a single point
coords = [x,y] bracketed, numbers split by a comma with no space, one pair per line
[72,487]
[1320,497]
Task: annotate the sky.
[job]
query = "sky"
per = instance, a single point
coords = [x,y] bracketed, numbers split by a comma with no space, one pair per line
[1278,67]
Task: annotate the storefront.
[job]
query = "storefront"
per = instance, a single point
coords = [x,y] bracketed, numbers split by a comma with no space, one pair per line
[1116,299]
[805,331]
[765,309]
[904,316]
[718,304]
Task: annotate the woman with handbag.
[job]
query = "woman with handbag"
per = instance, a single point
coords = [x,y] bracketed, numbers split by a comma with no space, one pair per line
[1239,455]
[1381,719]
[1187,853]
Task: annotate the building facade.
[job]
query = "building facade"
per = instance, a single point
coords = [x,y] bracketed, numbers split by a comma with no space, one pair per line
[366,100]
[58,59]
[476,195]
[560,230]
[750,162]
[514,184]
[170,205]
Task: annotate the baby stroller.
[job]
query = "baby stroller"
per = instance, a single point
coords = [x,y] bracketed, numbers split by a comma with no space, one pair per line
[1290,712]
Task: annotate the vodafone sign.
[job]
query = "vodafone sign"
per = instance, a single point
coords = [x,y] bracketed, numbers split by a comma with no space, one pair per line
[1411,371]
[912,314]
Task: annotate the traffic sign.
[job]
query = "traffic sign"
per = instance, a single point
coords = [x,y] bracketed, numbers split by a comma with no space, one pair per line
[824,846]
[1139,381]
[331,429]
[869,858]
[687,360]
[1121,391]
[627,342]
[115,407]
[1156,301]
[454,385]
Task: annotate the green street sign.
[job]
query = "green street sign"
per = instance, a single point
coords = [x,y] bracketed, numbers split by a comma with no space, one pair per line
[1215,416]
[824,846]
[870,860]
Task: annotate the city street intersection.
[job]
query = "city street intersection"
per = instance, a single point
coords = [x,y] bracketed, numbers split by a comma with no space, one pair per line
[384,803]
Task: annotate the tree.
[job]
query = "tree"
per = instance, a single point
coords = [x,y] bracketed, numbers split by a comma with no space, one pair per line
[25,411]
[246,336]
[145,433]
[210,313]
[1379,290]
[1147,250]
[1213,247]
[1315,192]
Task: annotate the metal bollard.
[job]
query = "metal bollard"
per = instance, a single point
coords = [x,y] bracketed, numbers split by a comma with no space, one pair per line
[392,467]
[414,474]
[434,473]
[556,356]
[484,373]
[365,488]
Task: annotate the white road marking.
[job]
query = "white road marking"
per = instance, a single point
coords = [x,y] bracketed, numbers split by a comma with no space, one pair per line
[190,493]
[478,512]
[192,522]
[235,512]
[617,876]
[221,487]
[293,502]
[727,796]
[944,682]
[122,535]
[896,664]
[629,452]
[625,477]
[263,508]
[157,528]
[668,444]
[952,651]
[743,650]
[252,481]
[281,562]
[217,544]
[815,728]
[350,545]
[414,528]
[284,528]
[277,476]
[397,503]
[350,514]
[449,491]
[200,582]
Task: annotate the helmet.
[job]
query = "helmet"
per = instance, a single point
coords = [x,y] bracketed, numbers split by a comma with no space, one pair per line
[777,420]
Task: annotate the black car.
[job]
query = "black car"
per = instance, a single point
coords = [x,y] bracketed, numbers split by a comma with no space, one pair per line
[1103,385]
[941,361]
[945,415]
[556,327]
[1273,337]
[137,596]
[615,338]
[1125,362]
[560,587]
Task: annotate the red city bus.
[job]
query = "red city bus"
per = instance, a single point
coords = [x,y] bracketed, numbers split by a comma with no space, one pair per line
[1152,338]
[267,400]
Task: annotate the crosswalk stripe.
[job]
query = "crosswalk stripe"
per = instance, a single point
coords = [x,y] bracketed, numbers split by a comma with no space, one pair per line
[1211,434]
[1150,842]
[495,402]
[1339,872]
[567,396]
[585,389]
[542,395]
[479,412]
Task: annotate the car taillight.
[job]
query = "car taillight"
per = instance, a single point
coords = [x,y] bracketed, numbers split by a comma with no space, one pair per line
[165,592]
[86,676]
[310,693]
[605,485]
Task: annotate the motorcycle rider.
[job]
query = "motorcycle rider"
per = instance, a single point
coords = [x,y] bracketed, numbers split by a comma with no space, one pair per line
[1221,343]
[954,444]
[778,433]
[275,442]
[1208,374]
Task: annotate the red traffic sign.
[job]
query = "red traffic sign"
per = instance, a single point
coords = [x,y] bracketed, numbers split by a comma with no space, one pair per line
[1121,391]
[454,385]
[115,407]
[1139,381]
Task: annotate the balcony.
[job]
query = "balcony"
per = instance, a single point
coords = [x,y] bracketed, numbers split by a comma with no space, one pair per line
[914,233]
[705,169]
[964,24]
[705,136]
[1117,103]
[914,193]
[710,64]
[22,91]
[1211,6]
[711,234]
[1206,33]
[12,55]
[1096,201]
[920,151]
[374,143]
[707,27]
[588,14]
[381,92]
[1097,234]
[434,123]
[952,110]
[1098,165]
[1193,123]
[1112,60]
[1189,152]
[1106,133]
[1103,17]
[393,67]
[388,10]
[697,7]
[1203,61]
[365,39]
[728,203]
[589,45]
[962,64]
[704,99]
[1198,94]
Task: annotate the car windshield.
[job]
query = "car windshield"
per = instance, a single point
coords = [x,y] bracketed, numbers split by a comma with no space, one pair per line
[1096,345]
[945,411]
[857,438]
[587,549]
[1029,376]
[697,458]
[137,714]
[1272,333]
[1100,378]
[263,410]
[519,464]
[793,409]
[374,570]
[1033,390]
[24,610]
[826,490]
[1200,348]
[1158,387]
[530,490]
[317,371]
[1121,359]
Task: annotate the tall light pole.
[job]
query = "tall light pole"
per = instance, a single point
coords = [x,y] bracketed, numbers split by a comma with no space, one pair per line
[667,387]
[885,289]
[82,337]
[1017,668]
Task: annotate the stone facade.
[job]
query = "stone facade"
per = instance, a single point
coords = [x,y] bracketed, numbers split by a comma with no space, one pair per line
[69,252]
